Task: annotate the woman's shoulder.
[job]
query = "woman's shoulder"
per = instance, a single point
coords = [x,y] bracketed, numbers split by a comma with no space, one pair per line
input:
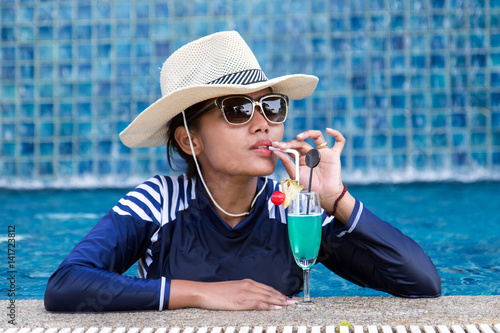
[163,184]
[158,198]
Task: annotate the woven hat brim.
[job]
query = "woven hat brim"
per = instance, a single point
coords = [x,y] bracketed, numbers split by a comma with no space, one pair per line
[149,128]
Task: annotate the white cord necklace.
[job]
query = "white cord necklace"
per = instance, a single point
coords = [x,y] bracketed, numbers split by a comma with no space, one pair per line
[203,180]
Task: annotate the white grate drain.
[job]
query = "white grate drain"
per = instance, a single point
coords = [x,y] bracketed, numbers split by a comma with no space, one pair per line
[481,328]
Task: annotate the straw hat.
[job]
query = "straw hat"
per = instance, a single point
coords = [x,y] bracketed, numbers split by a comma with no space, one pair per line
[216,65]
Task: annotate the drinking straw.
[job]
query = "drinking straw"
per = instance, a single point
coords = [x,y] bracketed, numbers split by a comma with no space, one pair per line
[296,154]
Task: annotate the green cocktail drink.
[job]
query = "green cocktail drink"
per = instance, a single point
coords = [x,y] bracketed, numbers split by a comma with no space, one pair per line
[304,232]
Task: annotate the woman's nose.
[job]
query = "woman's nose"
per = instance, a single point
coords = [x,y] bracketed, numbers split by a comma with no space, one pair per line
[259,121]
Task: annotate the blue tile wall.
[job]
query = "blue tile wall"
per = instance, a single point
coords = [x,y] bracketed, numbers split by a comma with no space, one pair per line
[414,85]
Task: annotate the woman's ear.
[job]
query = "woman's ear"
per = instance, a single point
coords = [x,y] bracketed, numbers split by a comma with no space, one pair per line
[182,139]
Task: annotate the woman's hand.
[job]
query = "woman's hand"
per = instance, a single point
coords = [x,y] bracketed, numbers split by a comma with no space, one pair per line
[227,295]
[327,178]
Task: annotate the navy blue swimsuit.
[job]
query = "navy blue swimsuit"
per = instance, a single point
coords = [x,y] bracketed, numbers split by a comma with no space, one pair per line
[169,226]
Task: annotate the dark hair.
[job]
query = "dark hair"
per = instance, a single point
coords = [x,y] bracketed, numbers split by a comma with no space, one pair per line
[173,145]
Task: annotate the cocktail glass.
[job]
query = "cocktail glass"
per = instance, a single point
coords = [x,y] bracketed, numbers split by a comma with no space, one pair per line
[304,232]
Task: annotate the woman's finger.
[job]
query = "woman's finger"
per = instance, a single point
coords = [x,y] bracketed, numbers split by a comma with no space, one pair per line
[288,164]
[339,140]
[236,295]
[255,295]
[264,288]
[316,135]
[299,145]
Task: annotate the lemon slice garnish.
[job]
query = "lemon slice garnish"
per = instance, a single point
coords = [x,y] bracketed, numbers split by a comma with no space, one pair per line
[291,188]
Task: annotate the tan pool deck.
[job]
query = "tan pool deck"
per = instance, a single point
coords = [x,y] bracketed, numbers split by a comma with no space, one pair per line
[328,311]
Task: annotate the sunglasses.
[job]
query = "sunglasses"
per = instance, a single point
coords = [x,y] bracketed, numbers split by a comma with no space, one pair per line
[239,109]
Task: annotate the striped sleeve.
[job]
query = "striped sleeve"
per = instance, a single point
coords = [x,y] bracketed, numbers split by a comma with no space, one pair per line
[157,200]
[144,202]
[126,233]
[341,230]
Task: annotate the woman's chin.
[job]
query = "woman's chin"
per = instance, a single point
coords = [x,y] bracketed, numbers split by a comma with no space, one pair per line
[262,172]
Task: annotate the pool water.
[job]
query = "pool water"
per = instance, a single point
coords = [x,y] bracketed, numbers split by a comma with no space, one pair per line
[457,224]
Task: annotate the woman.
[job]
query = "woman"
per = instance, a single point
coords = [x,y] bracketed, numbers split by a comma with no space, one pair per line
[211,238]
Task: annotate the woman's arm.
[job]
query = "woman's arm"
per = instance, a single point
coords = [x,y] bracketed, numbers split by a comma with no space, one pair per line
[372,253]
[358,245]
[227,295]
[90,279]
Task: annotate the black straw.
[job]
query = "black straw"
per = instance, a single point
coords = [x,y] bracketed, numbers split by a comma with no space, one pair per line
[309,189]
[312,159]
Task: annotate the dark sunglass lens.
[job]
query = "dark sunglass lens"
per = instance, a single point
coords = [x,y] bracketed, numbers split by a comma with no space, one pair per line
[237,110]
[275,108]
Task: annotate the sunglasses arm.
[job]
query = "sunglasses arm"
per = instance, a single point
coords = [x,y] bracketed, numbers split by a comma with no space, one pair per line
[202,111]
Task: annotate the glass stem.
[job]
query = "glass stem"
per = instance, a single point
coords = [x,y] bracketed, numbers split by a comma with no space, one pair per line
[307,297]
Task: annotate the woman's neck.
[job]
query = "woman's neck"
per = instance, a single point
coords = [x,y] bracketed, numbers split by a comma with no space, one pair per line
[234,194]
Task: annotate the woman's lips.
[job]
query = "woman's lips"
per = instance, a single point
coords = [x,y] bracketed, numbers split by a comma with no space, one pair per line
[262,147]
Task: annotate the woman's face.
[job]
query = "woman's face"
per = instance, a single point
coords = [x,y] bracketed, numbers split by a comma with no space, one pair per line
[237,150]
